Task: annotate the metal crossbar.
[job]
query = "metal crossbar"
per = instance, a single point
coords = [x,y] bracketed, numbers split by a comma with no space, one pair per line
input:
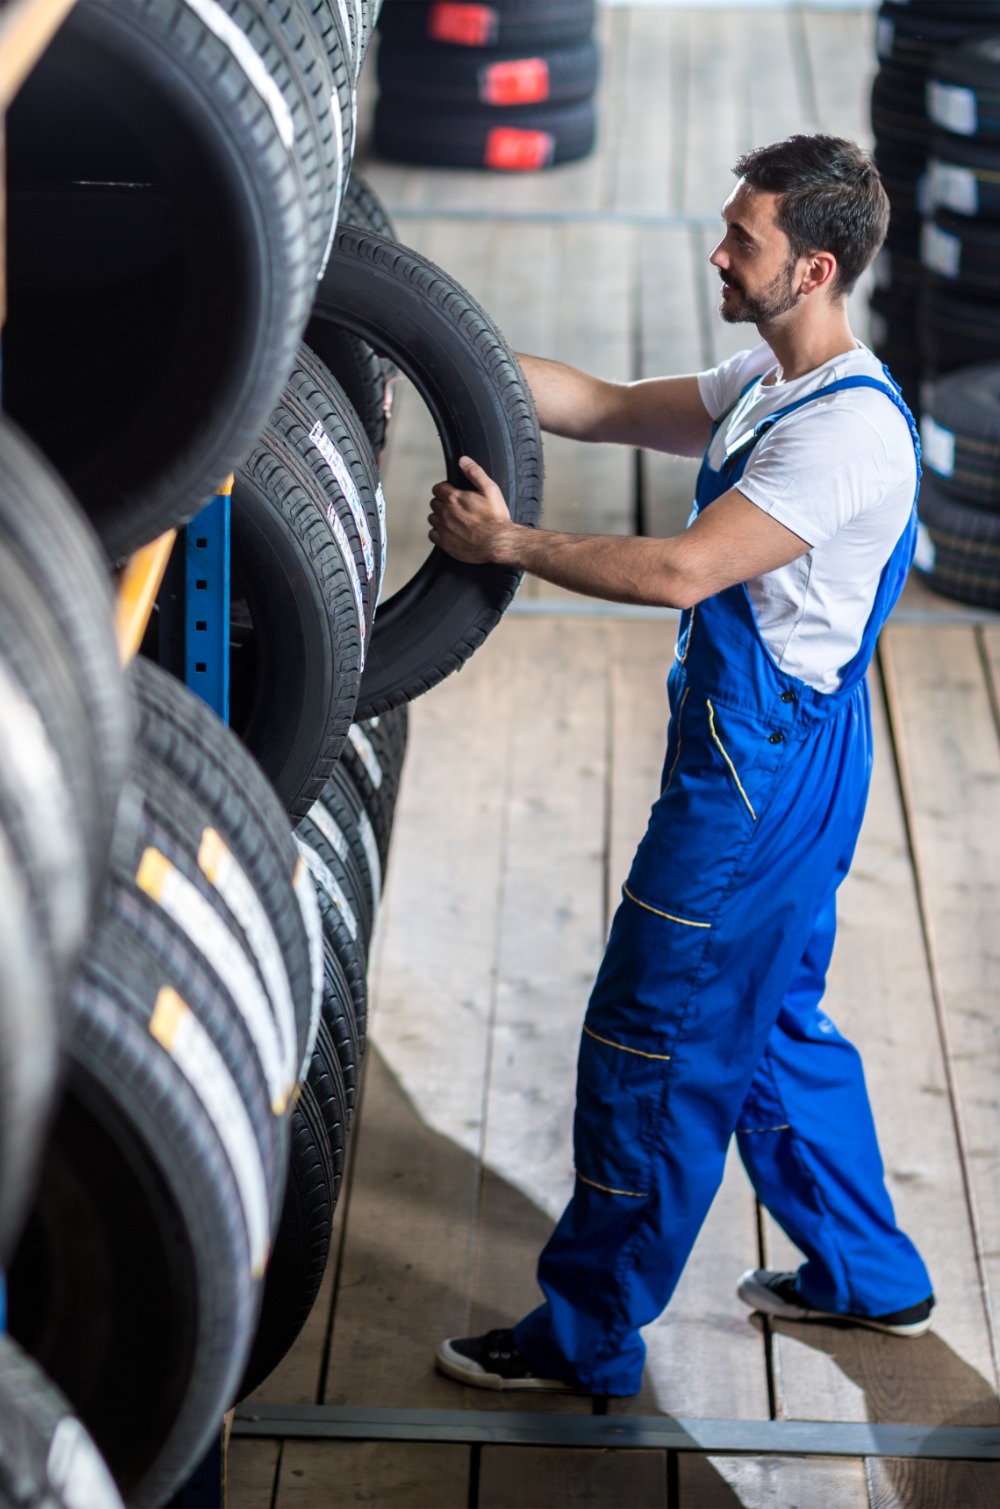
[786,1438]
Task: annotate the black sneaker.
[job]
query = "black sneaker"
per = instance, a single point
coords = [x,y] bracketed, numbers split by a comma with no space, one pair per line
[492,1361]
[776,1294]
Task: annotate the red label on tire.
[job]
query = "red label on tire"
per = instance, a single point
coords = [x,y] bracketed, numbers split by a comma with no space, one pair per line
[522,81]
[517,151]
[464,25]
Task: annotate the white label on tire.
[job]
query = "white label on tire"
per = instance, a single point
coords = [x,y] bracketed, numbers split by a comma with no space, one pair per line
[76,1471]
[224,872]
[366,754]
[347,556]
[938,446]
[200,923]
[383,538]
[328,884]
[251,62]
[305,891]
[952,187]
[330,828]
[885,36]
[369,843]
[926,553]
[342,476]
[178,1031]
[940,250]
[954,108]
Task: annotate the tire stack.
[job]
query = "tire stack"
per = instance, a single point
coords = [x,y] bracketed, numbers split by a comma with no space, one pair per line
[507,85]
[910,35]
[960,247]
[936,305]
[199,968]
[64,750]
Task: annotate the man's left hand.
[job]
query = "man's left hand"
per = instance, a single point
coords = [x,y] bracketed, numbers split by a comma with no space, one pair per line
[470,524]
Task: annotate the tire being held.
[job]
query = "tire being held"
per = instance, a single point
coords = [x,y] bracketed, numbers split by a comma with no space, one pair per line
[412,312]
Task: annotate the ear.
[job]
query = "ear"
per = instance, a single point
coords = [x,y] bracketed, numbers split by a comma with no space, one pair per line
[819,272]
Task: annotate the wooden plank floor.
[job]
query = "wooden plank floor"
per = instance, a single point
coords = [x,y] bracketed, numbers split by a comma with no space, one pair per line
[528,781]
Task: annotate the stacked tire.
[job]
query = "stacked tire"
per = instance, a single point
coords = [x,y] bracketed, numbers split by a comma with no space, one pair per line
[960,491]
[508,85]
[960,247]
[143,352]
[343,845]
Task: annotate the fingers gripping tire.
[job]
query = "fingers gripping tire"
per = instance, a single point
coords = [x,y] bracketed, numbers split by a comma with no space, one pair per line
[411,311]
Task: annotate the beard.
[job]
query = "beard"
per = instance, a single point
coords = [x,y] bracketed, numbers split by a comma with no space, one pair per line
[776,299]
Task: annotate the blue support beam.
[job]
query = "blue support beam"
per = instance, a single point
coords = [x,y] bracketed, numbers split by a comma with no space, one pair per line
[206,604]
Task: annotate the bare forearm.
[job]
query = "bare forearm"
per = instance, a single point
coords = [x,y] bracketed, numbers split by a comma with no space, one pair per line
[660,413]
[568,402]
[618,568]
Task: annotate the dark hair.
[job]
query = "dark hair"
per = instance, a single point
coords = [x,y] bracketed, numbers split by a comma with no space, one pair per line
[832,199]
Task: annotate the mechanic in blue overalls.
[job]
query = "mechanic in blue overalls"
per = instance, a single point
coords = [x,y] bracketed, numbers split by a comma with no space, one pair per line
[705,1018]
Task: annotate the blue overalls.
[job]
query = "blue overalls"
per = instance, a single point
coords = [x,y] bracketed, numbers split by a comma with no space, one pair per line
[705,1016]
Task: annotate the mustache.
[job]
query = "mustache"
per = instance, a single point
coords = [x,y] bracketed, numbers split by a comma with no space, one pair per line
[731,282]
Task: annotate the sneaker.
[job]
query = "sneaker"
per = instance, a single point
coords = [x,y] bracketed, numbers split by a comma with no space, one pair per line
[492,1361]
[776,1294]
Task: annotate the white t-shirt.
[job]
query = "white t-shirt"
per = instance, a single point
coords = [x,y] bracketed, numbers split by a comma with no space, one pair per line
[841,473]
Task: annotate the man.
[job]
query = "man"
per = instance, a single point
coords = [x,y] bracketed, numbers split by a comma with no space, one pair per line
[705,1018]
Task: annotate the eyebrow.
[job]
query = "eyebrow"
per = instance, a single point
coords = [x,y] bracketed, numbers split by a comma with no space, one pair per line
[737,225]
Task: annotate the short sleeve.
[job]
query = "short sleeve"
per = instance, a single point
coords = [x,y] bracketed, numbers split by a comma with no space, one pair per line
[818,470]
[721,386]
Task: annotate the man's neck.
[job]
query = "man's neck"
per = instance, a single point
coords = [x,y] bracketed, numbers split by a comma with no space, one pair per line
[803,341]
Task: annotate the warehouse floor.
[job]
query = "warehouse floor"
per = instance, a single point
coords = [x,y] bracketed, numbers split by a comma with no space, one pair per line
[527,784]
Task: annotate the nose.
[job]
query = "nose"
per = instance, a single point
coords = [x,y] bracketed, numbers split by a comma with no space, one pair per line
[720,257]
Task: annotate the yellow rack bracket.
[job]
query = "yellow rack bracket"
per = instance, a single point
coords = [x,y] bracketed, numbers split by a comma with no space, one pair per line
[138,583]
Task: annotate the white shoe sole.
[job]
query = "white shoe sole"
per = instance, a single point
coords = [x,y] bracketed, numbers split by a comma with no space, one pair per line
[464,1370]
[759,1297]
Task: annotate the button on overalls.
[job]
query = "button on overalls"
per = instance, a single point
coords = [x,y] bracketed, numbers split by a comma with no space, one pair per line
[705,1016]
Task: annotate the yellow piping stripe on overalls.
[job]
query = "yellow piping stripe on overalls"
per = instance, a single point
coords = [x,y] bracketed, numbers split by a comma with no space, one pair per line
[607,1190]
[722,750]
[664,1057]
[685,921]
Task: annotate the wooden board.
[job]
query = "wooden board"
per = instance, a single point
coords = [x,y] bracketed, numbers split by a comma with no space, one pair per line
[251,1470]
[524,1477]
[647,146]
[672,333]
[338,1474]
[880,994]
[944,712]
